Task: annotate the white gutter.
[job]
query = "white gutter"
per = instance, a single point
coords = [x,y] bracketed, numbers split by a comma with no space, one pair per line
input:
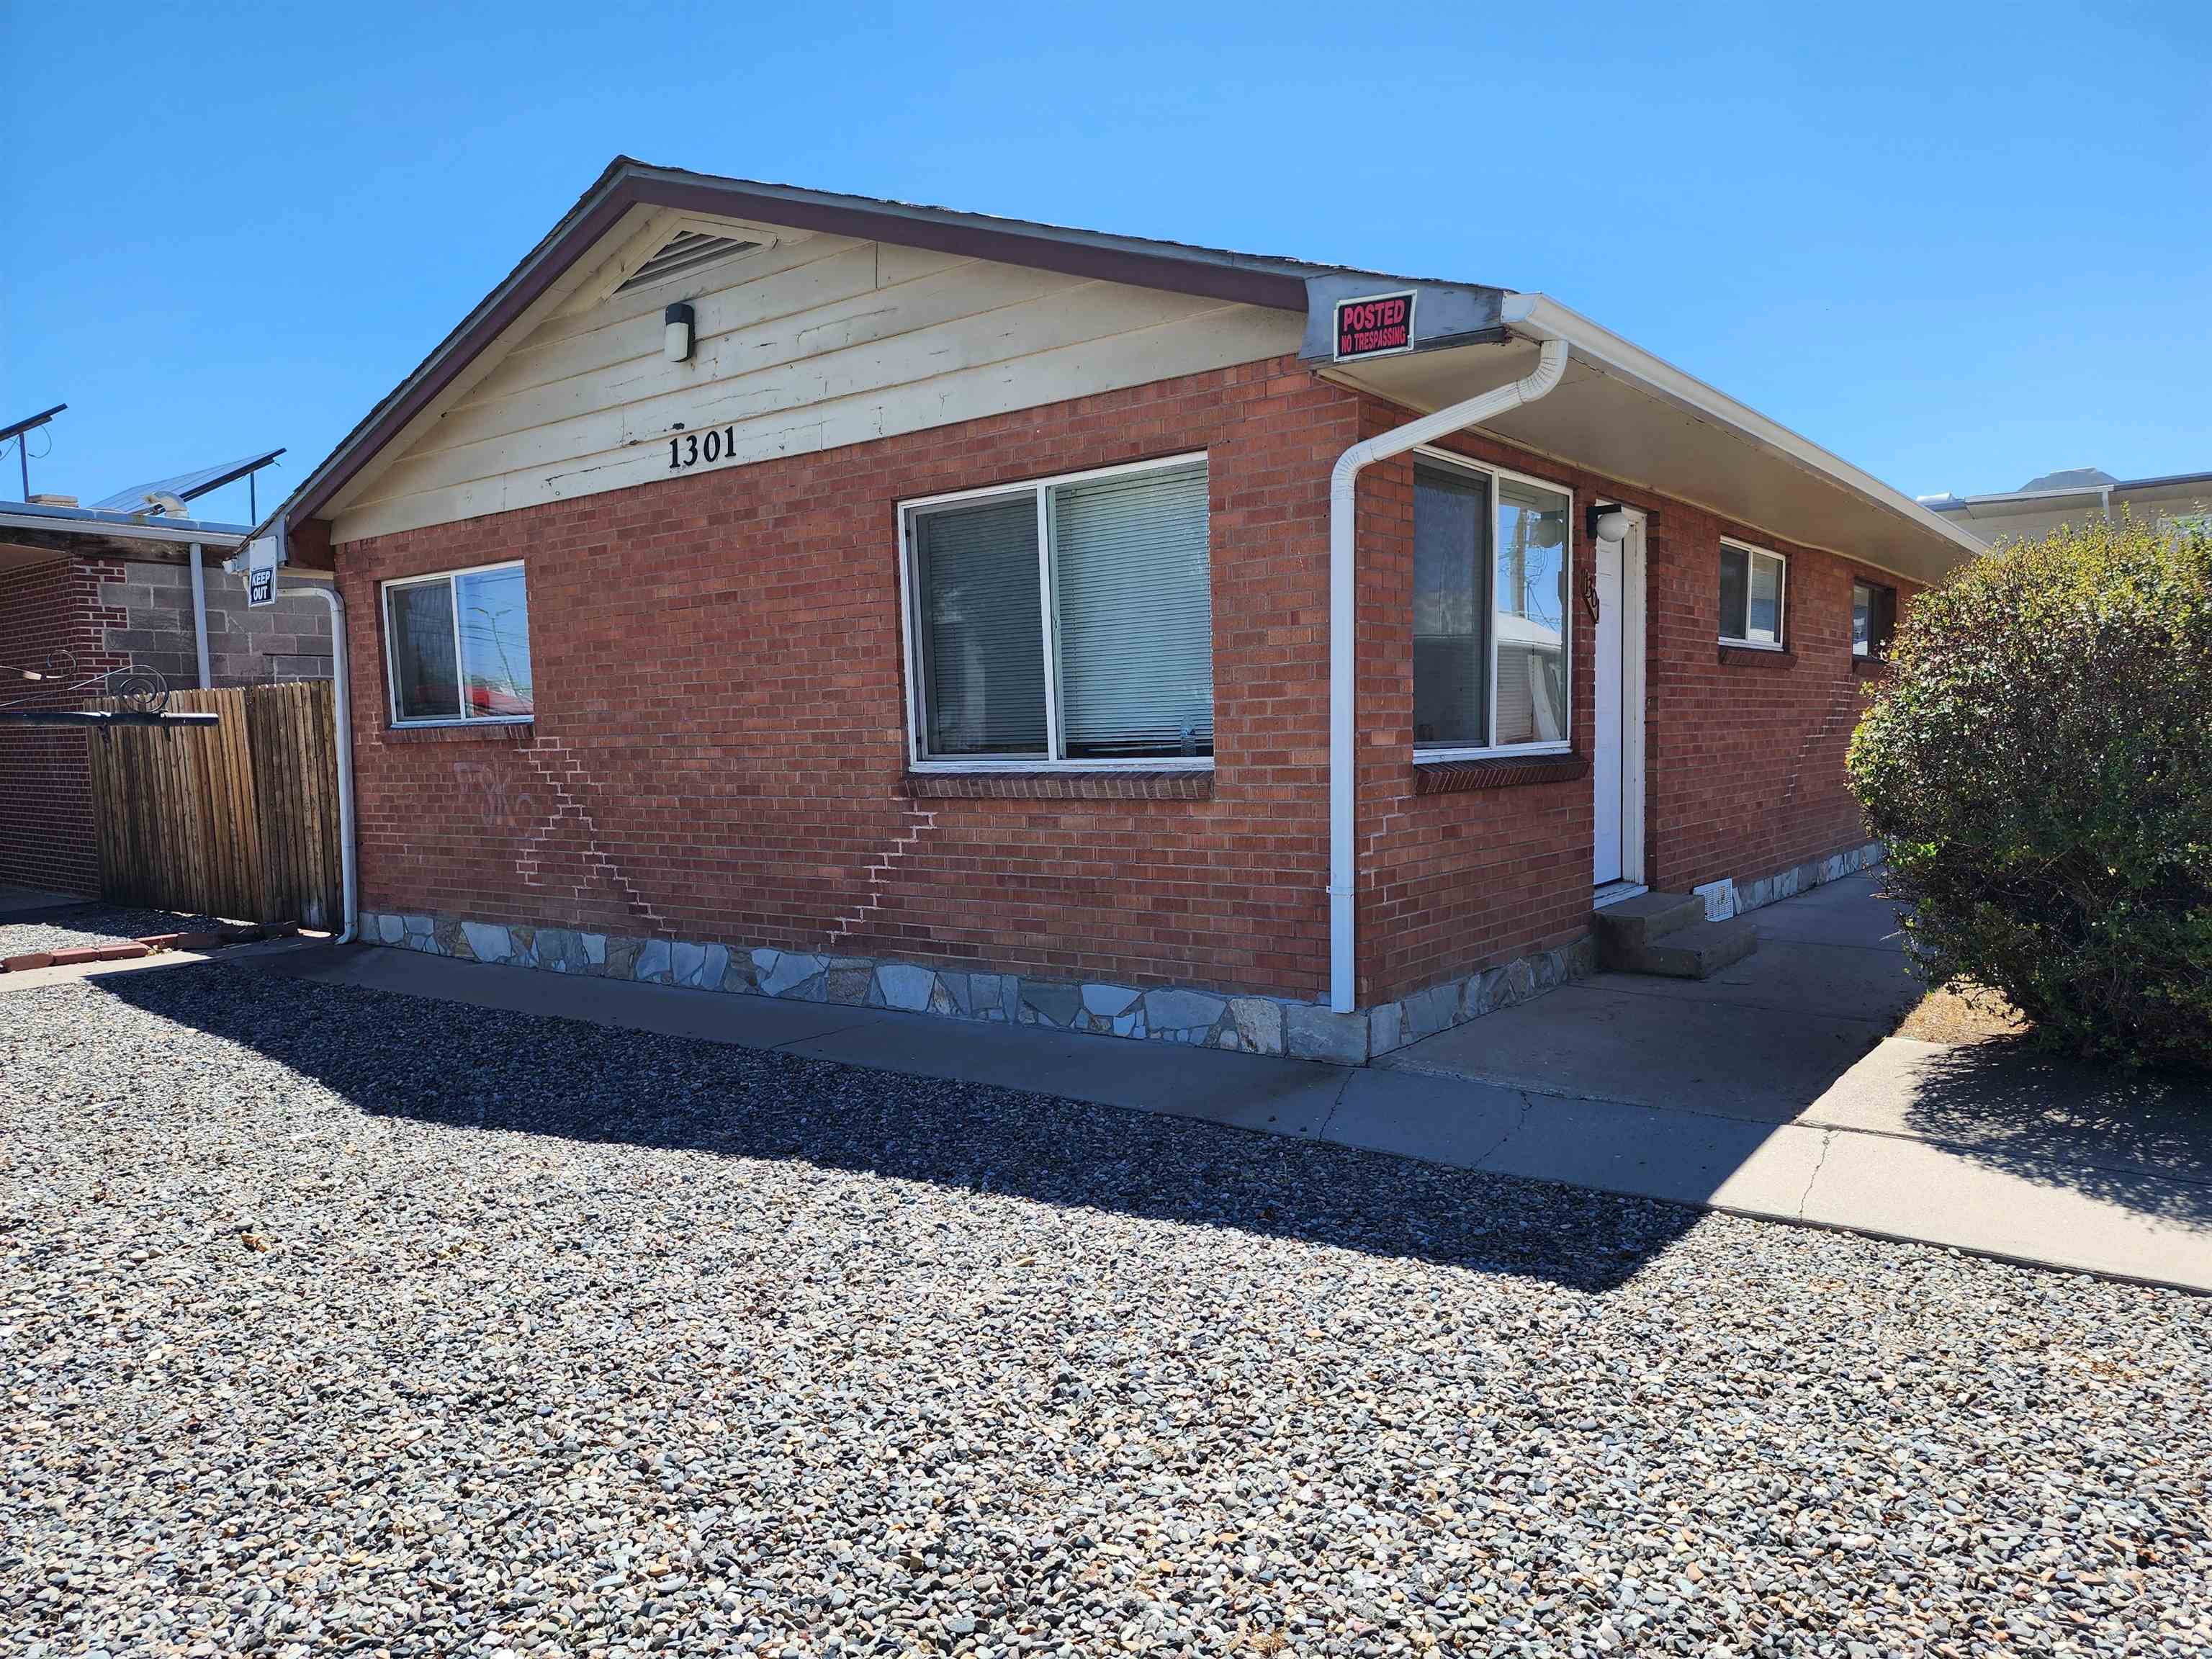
[1343,611]
[199,617]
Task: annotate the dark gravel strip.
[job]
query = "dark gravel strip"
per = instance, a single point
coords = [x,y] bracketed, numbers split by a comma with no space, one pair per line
[337,1321]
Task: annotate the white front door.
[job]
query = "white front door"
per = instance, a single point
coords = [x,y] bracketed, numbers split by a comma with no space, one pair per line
[1617,764]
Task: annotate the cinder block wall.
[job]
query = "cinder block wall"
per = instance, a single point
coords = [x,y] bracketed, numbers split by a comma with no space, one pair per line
[46,790]
[288,641]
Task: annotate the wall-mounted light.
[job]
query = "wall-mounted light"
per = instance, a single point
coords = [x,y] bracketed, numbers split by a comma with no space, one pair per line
[1608,521]
[676,333]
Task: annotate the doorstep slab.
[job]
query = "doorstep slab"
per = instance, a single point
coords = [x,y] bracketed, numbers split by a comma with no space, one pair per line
[1596,1043]
[1681,1156]
[1439,1120]
[1795,976]
[1849,912]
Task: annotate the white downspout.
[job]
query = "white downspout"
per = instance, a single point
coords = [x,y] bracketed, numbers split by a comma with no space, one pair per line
[342,721]
[1343,609]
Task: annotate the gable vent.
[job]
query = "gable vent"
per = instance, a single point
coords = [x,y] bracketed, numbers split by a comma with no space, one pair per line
[686,251]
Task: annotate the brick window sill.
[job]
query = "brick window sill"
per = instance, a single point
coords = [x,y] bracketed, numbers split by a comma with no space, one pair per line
[1177,784]
[484,731]
[1870,668]
[1451,777]
[1748,656]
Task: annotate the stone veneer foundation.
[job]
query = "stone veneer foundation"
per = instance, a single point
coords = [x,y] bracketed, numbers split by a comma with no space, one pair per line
[1243,1024]
[1208,1019]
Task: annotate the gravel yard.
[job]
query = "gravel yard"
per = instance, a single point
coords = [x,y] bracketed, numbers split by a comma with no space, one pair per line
[97,924]
[333,1322]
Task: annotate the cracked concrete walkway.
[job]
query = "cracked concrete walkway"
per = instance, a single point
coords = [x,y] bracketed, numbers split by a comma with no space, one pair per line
[1679,1098]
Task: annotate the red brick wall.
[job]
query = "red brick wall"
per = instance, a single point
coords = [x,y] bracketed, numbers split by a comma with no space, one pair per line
[718,751]
[45,799]
[1453,883]
[719,658]
[1744,767]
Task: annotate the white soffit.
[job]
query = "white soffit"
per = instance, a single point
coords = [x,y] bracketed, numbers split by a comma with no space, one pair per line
[1601,419]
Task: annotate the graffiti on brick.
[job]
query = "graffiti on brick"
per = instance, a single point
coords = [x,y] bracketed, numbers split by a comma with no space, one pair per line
[491,796]
[563,774]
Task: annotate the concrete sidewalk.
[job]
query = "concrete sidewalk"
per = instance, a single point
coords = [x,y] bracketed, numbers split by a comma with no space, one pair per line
[1990,1153]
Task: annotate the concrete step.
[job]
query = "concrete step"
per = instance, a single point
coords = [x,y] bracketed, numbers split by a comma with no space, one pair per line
[1636,922]
[1697,951]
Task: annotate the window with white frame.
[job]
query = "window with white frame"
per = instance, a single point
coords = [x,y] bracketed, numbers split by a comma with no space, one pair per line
[456,647]
[1753,584]
[1069,620]
[1492,561]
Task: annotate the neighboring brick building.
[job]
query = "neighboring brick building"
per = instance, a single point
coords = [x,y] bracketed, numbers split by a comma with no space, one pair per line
[112,591]
[817,597]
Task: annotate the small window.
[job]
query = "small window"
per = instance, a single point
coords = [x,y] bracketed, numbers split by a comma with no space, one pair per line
[1874,619]
[1070,620]
[1491,630]
[1752,590]
[458,646]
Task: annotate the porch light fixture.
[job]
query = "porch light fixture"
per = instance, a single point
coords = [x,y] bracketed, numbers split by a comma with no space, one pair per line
[1607,521]
[676,333]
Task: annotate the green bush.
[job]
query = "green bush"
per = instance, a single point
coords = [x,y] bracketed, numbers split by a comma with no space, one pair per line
[2039,764]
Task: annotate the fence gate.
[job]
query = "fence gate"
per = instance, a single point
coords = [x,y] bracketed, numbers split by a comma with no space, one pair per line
[237,819]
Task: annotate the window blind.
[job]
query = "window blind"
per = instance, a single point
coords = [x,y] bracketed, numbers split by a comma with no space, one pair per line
[1736,587]
[1451,608]
[1133,583]
[419,634]
[984,644]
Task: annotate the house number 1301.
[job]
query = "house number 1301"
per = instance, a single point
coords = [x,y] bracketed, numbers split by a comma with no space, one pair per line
[689,448]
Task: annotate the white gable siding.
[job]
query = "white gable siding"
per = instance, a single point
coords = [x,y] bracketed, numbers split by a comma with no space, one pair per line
[807,345]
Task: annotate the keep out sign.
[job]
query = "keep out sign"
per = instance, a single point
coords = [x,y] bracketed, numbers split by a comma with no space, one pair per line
[1374,326]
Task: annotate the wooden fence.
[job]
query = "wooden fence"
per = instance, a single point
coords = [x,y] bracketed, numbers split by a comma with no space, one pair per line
[238,819]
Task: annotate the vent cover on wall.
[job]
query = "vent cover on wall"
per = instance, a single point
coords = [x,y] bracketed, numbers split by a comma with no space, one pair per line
[687,250]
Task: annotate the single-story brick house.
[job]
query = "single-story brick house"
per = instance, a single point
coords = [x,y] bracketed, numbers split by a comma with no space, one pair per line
[809,595]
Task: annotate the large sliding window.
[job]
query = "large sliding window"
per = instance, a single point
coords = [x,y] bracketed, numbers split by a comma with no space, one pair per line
[1492,570]
[1066,621]
[456,647]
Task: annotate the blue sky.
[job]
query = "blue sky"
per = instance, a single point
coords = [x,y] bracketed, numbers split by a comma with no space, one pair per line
[1960,245]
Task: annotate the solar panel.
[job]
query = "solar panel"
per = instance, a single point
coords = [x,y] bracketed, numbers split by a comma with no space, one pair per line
[186,485]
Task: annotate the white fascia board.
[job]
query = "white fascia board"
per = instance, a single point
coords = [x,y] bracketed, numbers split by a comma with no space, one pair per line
[1538,318]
